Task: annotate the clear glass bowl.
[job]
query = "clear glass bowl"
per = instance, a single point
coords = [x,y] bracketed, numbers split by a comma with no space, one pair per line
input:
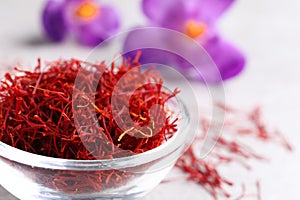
[29,176]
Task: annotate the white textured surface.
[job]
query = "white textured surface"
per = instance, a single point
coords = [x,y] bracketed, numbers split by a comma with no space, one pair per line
[267,30]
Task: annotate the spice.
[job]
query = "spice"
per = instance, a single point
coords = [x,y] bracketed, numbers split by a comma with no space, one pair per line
[37,115]
[238,126]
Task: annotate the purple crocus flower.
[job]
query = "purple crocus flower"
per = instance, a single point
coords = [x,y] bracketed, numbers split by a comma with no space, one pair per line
[197,19]
[88,21]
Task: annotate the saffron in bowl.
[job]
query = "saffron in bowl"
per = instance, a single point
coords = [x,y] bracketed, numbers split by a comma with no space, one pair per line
[79,130]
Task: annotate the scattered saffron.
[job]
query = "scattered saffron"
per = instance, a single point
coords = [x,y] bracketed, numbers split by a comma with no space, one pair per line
[229,148]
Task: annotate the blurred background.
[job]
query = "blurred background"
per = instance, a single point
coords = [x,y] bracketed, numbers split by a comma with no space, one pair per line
[266,30]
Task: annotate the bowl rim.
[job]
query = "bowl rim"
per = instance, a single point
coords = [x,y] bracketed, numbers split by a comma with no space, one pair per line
[177,142]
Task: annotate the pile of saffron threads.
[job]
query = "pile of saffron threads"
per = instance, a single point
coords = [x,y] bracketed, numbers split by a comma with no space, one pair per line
[239,128]
[37,116]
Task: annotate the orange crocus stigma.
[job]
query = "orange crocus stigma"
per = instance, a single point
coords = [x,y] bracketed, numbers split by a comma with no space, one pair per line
[87,10]
[195,29]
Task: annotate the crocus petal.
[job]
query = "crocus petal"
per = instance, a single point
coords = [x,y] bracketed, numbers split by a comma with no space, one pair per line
[229,60]
[53,20]
[174,13]
[211,10]
[167,13]
[166,47]
[93,32]
[142,40]
[153,8]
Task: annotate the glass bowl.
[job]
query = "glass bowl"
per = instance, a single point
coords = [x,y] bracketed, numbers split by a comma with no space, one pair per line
[29,176]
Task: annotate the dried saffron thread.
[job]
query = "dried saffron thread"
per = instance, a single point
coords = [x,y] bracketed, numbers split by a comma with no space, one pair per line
[37,115]
[228,149]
